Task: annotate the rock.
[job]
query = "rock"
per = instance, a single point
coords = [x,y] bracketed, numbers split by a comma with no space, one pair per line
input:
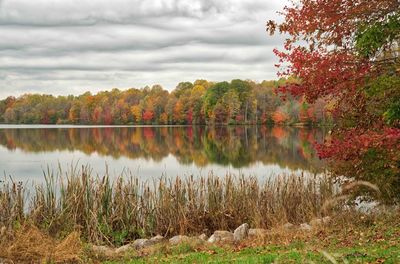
[157,239]
[212,239]
[257,232]
[124,249]
[141,243]
[305,227]
[241,232]
[288,226]
[221,236]
[203,237]
[103,250]
[179,239]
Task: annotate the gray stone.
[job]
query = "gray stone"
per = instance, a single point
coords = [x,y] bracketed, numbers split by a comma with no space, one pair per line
[157,239]
[288,226]
[179,239]
[257,232]
[241,232]
[221,236]
[141,243]
[212,239]
[124,249]
[203,237]
[103,250]
[305,227]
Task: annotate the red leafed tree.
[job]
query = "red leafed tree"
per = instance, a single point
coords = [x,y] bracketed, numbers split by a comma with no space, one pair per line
[148,115]
[279,117]
[107,116]
[347,51]
[189,117]
[96,116]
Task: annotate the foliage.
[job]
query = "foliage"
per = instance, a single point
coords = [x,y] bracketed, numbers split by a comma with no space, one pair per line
[347,52]
[201,102]
[349,242]
[127,208]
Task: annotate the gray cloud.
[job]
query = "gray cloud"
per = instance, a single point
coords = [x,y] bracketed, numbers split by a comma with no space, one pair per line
[63,47]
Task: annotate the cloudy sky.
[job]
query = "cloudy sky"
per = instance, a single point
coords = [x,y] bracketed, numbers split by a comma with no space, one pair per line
[68,47]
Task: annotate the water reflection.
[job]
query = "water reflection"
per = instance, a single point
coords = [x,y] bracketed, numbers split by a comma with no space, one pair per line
[226,146]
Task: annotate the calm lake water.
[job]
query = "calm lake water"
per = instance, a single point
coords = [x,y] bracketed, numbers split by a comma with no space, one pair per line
[148,152]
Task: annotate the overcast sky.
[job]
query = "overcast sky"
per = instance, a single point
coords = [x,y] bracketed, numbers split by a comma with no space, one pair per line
[73,46]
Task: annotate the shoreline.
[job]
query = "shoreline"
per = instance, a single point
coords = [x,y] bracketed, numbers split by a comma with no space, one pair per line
[295,125]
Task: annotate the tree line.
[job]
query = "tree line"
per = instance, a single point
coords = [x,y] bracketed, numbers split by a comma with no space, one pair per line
[200,102]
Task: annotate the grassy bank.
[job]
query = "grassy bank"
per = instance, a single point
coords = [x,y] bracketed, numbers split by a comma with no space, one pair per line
[59,221]
[352,237]
[119,211]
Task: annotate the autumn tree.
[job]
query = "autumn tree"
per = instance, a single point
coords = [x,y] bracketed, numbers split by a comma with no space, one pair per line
[231,102]
[196,101]
[137,113]
[348,51]
[235,102]
[212,96]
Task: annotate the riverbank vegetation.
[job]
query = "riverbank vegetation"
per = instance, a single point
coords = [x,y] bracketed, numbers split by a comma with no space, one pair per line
[352,237]
[60,221]
[116,212]
[201,102]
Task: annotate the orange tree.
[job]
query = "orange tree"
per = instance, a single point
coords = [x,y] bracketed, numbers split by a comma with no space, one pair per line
[347,52]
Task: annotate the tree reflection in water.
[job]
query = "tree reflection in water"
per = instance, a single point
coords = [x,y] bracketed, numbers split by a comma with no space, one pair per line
[238,146]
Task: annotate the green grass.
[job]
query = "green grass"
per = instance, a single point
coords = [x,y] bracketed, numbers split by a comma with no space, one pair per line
[363,241]
[382,252]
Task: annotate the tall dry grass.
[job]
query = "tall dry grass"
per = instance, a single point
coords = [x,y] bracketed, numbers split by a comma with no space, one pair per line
[30,245]
[120,210]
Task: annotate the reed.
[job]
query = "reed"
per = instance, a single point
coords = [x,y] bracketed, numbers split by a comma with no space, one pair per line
[119,210]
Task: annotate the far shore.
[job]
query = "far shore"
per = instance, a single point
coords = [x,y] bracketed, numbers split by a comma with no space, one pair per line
[296,125]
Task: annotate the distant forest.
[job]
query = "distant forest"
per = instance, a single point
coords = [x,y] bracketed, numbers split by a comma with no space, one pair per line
[201,102]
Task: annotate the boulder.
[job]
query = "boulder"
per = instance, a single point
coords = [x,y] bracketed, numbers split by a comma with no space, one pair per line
[305,227]
[203,237]
[141,243]
[221,236]
[103,251]
[179,239]
[257,232]
[157,239]
[124,249]
[241,232]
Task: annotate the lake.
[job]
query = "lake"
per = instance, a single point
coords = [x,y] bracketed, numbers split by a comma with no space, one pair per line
[151,151]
